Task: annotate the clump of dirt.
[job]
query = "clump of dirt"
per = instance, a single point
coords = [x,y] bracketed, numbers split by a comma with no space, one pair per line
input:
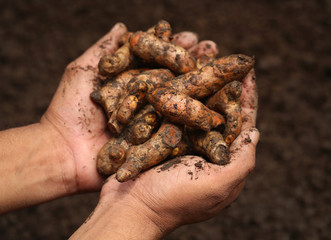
[199,165]
[170,164]
[247,140]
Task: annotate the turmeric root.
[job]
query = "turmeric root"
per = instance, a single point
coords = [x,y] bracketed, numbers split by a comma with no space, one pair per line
[109,95]
[115,126]
[110,65]
[155,150]
[210,144]
[181,149]
[124,38]
[112,155]
[137,89]
[227,101]
[128,104]
[135,102]
[163,30]
[211,78]
[182,109]
[140,129]
[150,48]
[204,60]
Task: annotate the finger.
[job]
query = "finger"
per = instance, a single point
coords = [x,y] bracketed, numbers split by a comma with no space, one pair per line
[249,101]
[185,39]
[242,160]
[108,44]
[204,48]
[233,195]
[242,152]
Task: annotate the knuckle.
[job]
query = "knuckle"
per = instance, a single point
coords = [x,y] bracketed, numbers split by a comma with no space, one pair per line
[70,68]
[251,164]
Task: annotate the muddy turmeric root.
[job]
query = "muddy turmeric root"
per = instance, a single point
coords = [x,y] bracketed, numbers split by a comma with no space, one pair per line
[152,152]
[109,95]
[114,125]
[140,129]
[182,109]
[227,101]
[204,60]
[210,144]
[212,77]
[163,30]
[137,89]
[130,105]
[181,149]
[152,49]
[203,99]
[124,38]
[110,65]
[112,155]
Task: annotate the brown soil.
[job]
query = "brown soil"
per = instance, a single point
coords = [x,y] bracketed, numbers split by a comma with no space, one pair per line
[287,196]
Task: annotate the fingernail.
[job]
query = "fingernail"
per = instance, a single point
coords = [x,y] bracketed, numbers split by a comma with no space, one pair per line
[119,25]
[254,135]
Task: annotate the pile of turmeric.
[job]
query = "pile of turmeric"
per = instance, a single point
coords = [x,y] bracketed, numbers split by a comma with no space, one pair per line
[165,98]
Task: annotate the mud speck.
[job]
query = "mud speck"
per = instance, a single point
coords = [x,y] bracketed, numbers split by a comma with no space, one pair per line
[199,165]
[172,163]
[189,172]
[247,140]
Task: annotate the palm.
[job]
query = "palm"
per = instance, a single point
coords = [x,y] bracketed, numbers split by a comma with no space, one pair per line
[79,121]
[159,187]
[188,189]
[82,125]
[189,186]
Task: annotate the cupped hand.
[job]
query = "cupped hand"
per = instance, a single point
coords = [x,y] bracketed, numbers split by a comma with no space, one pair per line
[79,121]
[189,189]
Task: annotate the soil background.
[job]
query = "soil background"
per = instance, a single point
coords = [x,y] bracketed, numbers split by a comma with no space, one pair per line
[287,196]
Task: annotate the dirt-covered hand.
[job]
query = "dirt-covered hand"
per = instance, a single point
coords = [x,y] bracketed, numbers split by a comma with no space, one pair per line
[79,121]
[189,189]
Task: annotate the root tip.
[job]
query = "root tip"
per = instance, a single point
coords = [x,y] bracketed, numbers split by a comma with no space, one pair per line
[123,175]
[96,96]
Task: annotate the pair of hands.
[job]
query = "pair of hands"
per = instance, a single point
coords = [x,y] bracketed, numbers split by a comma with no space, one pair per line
[188,191]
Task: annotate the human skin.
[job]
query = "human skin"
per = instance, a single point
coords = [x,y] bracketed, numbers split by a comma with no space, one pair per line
[184,191]
[56,157]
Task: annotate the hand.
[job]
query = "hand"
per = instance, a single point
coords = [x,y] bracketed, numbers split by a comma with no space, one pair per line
[189,189]
[79,121]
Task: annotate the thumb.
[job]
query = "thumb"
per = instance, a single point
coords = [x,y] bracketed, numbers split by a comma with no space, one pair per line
[108,44]
[242,152]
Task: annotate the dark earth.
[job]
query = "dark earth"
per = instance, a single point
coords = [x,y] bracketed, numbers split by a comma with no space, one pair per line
[287,196]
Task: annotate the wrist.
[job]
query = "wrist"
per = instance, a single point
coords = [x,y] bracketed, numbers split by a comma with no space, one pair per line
[122,219]
[62,157]
[33,164]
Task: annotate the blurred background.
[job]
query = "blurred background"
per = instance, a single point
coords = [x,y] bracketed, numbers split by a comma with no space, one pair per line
[287,196]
